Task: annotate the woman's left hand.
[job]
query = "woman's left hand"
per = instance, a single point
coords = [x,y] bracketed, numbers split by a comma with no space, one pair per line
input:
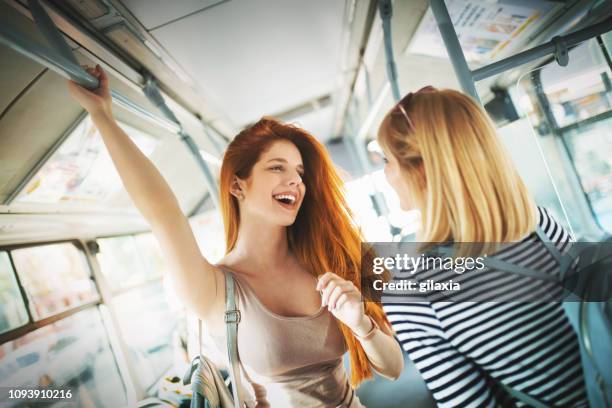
[344,301]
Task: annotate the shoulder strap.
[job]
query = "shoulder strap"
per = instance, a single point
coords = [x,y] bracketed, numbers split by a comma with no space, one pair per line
[554,251]
[232,318]
[494,263]
[564,261]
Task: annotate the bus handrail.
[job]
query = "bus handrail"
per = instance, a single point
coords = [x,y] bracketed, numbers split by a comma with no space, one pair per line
[64,66]
[54,37]
[453,48]
[386,12]
[549,48]
[467,77]
[60,59]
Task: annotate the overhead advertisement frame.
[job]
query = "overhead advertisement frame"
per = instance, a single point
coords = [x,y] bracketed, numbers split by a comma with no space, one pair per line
[558,47]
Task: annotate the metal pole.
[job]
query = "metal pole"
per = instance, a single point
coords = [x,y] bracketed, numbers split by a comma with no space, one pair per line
[453,47]
[386,12]
[50,31]
[543,50]
[21,43]
[126,103]
[152,92]
[211,183]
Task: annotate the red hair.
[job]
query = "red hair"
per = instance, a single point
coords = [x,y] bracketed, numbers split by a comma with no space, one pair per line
[323,236]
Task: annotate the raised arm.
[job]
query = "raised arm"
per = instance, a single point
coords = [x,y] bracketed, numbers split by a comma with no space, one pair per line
[195,280]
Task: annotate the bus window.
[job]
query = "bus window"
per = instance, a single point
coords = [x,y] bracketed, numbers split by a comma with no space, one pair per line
[358,196]
[71,353]
[574,105]
[81,169]
[146,310]
[375,226]
[123,265]
[133,269]
[12,309]
[56,278]
[150,254]
[522,146]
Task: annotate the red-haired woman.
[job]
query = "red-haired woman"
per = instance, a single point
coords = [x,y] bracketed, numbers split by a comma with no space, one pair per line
[292,249]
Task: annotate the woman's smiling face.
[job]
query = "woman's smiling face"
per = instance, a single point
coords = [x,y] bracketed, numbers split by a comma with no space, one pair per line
[274,191]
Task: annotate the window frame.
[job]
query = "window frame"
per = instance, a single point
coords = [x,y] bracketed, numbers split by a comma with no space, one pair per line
[33,324]
[108,293]
[560,132]
[113,335]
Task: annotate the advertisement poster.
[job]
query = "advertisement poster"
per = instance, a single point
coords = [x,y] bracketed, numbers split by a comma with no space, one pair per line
[484,28]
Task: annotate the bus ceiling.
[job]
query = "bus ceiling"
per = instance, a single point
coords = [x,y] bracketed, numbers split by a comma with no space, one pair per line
[181,68]
[151,40]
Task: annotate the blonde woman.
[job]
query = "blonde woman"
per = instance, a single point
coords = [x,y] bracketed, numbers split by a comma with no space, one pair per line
[444,159]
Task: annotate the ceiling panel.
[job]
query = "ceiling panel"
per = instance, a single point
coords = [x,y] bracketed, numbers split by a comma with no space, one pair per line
[258,57]
[17,71]
[21,72]
[318,123]
[154,13]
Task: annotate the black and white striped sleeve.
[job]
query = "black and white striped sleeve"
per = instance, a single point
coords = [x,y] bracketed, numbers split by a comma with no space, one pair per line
[453,379]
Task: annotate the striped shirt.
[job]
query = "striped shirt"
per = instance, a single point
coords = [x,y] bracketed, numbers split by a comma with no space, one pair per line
[464,350]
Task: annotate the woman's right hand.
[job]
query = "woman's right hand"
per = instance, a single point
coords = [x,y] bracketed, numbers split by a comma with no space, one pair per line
[98,101]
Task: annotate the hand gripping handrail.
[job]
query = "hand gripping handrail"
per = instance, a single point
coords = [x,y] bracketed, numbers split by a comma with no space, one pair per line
[60,59]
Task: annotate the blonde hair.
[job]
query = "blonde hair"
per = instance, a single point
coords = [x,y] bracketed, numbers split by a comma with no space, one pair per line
[460,176]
